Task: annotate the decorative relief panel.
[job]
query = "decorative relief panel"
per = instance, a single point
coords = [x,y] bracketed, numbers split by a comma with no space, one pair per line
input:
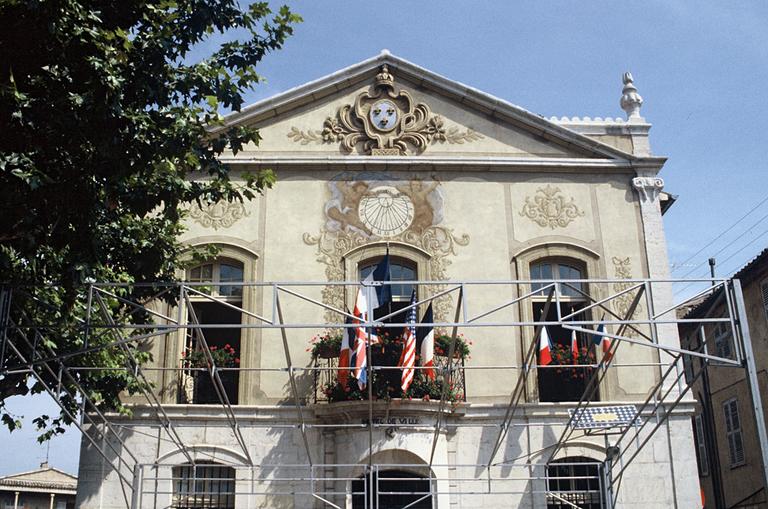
[622,269]
[385,121]
[217,215]
[549,208]
[369,207]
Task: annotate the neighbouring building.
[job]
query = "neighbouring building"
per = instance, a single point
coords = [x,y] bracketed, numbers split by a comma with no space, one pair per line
[727,444]
[386,157]
[44,488]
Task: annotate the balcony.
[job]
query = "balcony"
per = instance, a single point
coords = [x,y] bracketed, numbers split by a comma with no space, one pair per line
[386,372]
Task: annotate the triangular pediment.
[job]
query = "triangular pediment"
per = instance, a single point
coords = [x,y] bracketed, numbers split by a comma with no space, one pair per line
[420,114]
[44,478]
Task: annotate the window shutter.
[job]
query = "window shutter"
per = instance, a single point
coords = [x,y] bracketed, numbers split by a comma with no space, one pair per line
[733,432]
[764,292]
[701,446]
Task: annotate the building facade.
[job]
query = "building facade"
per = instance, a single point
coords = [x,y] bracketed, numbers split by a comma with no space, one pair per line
[386,157]
[44,488]
[731,469]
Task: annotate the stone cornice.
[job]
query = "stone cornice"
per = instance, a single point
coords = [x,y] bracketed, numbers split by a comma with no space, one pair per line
[448,163]
[286,414]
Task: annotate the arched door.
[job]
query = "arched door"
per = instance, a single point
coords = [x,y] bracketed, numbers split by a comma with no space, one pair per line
[393,489]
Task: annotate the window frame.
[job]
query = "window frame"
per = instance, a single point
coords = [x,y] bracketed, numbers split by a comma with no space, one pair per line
[734,433]
[556,263]
[723,343]
[181,499]
[216,281]
[401,261]
[570,466]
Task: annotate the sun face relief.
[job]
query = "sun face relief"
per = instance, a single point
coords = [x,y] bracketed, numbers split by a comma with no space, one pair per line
[383,115]
[386,212]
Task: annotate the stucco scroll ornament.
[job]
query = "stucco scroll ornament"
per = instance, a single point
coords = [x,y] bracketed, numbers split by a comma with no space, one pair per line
[549,208]
[438,241]
[385,121]
[622,269]
[648,187]
[217,215]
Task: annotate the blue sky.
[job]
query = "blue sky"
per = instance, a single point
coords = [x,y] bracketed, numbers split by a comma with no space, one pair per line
[700,66]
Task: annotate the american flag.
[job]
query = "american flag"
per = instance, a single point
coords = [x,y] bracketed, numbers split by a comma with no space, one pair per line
[408,357]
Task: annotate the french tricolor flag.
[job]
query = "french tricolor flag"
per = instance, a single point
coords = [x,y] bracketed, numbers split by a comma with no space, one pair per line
[344,354]
[425,337]
[600,339]
[545,347]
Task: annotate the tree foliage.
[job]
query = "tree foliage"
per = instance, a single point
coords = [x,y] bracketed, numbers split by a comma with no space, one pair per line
[109,132]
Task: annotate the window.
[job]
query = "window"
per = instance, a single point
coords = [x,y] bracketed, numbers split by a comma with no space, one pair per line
[203,486]
[733,432]
[701,448]
[557,270]
[574,481]
[722,335]
[217,272]
[197,385]
[400,270]
[562,384]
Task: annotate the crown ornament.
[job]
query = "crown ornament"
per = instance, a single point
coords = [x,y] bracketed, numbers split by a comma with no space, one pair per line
[631,101]
[384,78]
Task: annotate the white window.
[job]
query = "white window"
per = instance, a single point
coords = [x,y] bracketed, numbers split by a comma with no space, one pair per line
[701,445]
[722,333]
[400,270]
[733,432]
[219,271]
[558,270]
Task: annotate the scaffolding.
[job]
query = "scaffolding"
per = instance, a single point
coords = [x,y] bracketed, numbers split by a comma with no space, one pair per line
[28,347]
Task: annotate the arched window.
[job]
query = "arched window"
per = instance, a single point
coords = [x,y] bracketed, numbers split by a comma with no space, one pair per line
[562,384]
[574,481]
[392,489]
[219,272]
[401,270]
[203,486]
[559,269]
[218,310]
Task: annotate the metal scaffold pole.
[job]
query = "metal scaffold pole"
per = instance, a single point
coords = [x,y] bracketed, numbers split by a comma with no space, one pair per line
[326,473]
